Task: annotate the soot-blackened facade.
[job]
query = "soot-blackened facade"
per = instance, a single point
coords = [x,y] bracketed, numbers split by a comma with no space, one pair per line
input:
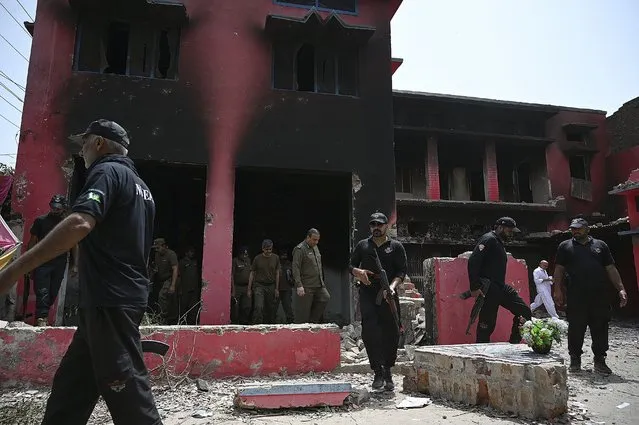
[248,119]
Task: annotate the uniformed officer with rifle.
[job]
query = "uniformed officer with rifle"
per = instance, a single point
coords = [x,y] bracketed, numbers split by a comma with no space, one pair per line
[379,264]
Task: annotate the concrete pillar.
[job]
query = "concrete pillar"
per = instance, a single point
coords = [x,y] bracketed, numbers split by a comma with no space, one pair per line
[432,170]
[491,182]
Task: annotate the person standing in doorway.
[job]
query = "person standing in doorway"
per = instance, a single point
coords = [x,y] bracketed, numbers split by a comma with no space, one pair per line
[112,219]
[543,283]
[264,284]
[380,331]
[166,276]
[308,276]
[48,277]
[286,287]
[241,272]
[488,261]
[189,288]
[589,265]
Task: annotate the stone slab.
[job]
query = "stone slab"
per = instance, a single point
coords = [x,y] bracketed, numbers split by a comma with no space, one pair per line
[508,377]
[283,395]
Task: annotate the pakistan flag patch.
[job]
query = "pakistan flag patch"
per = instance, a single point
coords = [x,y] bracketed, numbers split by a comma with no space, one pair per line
[94,196]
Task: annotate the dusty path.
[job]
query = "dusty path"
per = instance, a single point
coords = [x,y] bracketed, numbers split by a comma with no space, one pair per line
[593,399]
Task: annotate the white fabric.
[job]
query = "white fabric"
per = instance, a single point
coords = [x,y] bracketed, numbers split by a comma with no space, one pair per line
[544,292]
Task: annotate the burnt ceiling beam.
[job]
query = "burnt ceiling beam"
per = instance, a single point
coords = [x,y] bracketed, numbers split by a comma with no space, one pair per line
[482,136]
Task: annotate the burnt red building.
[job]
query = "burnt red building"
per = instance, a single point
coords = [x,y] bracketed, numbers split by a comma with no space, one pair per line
[463,162]
[248,119]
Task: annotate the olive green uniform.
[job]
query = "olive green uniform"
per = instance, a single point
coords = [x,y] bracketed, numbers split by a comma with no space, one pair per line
[241,270]
[308,273]
[265,270]
[168,302]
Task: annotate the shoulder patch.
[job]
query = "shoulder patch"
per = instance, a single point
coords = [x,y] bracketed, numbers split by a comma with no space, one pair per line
[481,246]
[94,195]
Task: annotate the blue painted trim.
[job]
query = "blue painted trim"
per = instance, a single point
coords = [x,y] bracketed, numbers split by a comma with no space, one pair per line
[293,389]
[321,9]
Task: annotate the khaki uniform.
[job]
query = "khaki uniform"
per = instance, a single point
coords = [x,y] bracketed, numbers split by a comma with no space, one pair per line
[265,270]
[241,270]
[286,290]
[167,301]
[308,273]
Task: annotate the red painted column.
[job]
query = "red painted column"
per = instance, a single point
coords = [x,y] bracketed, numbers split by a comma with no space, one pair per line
[432,170]
[491,182]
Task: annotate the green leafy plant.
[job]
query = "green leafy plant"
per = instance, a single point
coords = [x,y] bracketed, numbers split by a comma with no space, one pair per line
[539,334]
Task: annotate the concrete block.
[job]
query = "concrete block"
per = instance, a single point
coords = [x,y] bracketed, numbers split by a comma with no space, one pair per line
[284,395]
[510,378]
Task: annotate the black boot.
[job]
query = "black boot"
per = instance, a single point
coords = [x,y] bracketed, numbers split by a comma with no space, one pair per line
[575,363]
[601,366]
[378,380]
[389,385]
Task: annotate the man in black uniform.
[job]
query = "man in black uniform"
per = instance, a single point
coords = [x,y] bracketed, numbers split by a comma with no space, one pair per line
[488,261]
[589,264]
[113,217]
[379,329]
[48,277]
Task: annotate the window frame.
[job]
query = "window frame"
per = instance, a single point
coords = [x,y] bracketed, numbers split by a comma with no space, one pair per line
[79,36]
[316,7]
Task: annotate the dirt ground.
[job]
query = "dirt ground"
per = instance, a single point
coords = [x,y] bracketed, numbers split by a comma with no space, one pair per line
[594,399]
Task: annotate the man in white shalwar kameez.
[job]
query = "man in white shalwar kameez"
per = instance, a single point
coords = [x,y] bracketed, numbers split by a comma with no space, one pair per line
[543,282]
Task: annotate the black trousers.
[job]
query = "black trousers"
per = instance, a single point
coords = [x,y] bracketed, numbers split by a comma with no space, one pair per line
[507,297]
[104,359]
[594,314]
[48,279]
[379,330]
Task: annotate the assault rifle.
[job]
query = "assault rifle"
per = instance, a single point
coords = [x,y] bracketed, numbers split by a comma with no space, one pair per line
[385,294]
[479,302]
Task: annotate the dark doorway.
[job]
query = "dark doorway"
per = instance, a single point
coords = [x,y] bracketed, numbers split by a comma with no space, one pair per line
[179,191]
[282,205]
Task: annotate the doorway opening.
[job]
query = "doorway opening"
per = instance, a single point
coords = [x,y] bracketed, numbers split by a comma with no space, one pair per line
[282,205]
[179,192]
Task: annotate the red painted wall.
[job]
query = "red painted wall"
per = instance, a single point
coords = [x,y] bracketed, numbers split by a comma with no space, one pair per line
[491,177]
[432,170]
[619,166]
[33,355]
[558,166]
[451,279]
[223,53]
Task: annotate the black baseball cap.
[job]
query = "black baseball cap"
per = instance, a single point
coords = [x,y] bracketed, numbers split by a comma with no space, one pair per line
[578,223]
[508,222]
[378,217]
[108,129]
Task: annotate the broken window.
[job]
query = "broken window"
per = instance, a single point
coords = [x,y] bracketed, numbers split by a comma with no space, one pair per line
[580,184]
[334,5]
[125,48]
[461,175]
[403,180]
[579,167]
[315,69]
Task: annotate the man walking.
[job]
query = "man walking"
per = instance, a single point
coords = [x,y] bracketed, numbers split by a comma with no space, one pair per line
[189,288]
[589,264]
[264,284]
[488,262]
[308,276]
[48,277]
[113,217]
[240,275]
[543,283]
[286,287]
[380,332]
[166,276]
